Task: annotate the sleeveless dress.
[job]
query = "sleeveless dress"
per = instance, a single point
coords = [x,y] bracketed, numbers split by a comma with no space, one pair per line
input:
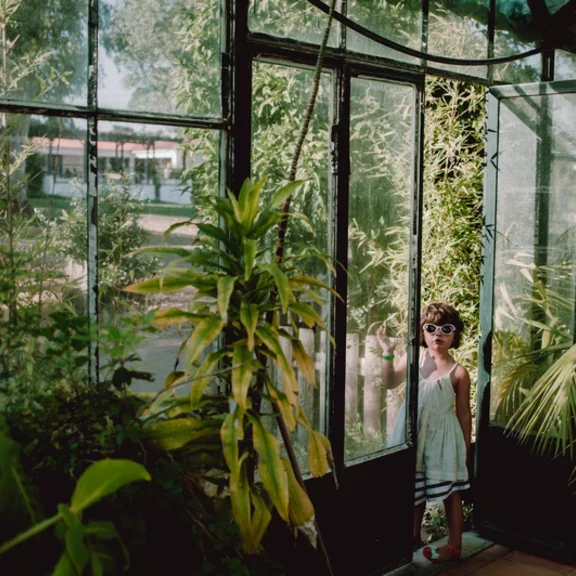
[441,449]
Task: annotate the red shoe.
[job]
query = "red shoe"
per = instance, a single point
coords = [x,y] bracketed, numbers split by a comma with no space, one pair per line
[434,557]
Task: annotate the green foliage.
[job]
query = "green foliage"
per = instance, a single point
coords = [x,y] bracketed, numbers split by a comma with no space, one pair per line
[242,294]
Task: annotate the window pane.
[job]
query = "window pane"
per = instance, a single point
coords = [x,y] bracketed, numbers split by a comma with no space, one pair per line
[564,65]
[381,154]
[42,268]
[47,52]
[280,99]
[397,21]
[513,35]
[147,183]
[160,56]
[459,30]
[296,20]
[535,274]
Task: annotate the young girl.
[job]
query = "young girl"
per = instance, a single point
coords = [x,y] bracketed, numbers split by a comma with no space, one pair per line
[443,434]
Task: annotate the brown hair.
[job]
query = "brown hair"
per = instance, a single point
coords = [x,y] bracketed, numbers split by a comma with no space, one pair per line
[440,313]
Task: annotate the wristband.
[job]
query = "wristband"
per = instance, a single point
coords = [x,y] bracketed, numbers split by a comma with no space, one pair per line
[389,358]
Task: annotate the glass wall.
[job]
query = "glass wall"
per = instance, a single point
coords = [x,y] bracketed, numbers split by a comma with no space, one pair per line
[535,274]
[280,96]
[381,155]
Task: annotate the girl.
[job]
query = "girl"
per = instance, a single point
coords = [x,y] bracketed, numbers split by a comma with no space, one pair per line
[443,434]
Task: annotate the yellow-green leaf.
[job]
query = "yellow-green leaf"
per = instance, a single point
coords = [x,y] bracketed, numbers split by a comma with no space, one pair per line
[206,368]
[301,509]
[286,409]
[249,248]
[270,338]
[173,377]
[305,363]
[225,287]
[236,207]
[242,375]
[270,466]
[169,316]
[260,519]
[281,280]
[317,457]
[309,316]
[229,436]
[204,334]
[240,499]
[249,199]
[102,478]
[285,192]
[173,434]
[302,280]
[249,317]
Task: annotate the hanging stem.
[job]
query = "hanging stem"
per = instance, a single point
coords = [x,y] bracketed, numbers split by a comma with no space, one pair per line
[303,132]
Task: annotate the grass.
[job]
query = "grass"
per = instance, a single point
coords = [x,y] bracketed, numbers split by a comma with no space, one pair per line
[58,203]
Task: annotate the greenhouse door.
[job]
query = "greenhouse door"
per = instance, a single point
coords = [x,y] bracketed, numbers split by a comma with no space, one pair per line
[361,163]
[528,315]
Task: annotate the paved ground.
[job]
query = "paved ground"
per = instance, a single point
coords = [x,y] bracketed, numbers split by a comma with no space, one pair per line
[484,558]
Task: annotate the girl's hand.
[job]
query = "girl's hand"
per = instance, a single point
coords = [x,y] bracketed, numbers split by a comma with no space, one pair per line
[387,344]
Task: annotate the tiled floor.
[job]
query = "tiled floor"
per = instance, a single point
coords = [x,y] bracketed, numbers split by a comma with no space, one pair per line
[483,558]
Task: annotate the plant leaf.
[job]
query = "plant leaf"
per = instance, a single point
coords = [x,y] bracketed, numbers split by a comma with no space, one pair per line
[230,436]
[242,375]
[199,385]
[249,200]
[269,337]
[169,316]
[260,519]
[305,363]
[309,316]
[281,401]
[301,509]
[270,466]
[249,318]
[173,377]
[173,434]
[204,334]
[317,457]
[105,477]
[281,280]
[249,249]
[285,192]
[225,287]
[240,499]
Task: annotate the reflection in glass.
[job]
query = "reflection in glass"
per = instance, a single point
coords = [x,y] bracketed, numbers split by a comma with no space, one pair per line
[42,286]
[381,149]
[297,20]
[564,65]
[397,21]
[459,32]
[160,57]
[535,274]
[145,176]
[279,102]
[46,51]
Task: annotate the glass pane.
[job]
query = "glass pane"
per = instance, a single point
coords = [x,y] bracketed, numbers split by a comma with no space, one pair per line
[381,155]
[280,100]
[564,65]
[147,182]
[513,35]
[46,51]
[459,30]
[398,21]
[535,274]
[42,282]
[160,57]
[296,20]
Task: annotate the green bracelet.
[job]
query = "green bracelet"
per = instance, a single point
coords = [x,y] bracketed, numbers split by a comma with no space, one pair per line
[389,358]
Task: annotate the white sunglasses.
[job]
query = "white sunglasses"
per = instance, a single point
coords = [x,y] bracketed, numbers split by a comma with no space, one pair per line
[445,329]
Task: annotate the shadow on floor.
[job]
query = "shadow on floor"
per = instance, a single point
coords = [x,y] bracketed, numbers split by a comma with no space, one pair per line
[481,557]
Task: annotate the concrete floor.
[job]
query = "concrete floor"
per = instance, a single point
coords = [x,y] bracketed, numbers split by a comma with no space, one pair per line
[482,557]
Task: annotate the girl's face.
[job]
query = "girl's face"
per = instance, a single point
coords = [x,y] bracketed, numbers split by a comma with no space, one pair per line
[438,336]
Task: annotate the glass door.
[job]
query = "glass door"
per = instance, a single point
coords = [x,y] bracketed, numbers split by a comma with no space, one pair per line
[526,389]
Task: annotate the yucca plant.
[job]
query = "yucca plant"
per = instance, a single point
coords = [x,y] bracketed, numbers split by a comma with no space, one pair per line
[240,294]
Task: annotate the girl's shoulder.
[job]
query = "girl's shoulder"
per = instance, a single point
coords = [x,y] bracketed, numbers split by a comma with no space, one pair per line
[461,374]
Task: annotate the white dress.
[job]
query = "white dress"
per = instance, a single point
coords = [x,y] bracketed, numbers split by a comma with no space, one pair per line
[441,449]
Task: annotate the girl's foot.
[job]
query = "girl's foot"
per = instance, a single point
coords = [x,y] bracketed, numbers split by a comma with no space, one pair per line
[441,554]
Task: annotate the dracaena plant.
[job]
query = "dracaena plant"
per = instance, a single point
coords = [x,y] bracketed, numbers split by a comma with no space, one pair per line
[240,295]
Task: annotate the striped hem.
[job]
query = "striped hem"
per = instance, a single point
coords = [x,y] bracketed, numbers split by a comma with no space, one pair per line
[436,491]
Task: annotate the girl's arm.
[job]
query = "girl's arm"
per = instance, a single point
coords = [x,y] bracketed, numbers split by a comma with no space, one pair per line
[463,411]
[393,371]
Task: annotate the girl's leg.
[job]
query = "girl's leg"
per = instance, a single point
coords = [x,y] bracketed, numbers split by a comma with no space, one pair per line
[455,516]
[418,517]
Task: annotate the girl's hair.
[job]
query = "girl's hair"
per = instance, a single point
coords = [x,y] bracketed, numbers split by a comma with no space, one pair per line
[440,313]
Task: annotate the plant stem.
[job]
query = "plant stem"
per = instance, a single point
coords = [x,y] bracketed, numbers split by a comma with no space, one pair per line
[34,531]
